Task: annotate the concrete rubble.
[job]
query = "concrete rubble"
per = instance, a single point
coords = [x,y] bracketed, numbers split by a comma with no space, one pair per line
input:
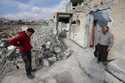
[42,35]
[80,67]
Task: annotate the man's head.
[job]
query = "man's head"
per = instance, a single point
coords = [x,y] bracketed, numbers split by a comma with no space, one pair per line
[30,31]
[105,29]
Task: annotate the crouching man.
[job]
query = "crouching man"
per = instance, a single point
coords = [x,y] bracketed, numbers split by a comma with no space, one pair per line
[22,42]
[104,44]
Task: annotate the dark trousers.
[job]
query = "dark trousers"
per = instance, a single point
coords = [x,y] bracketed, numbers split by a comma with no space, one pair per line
[27,58]
[101,52]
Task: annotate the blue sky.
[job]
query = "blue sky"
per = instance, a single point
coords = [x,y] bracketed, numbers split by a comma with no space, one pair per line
[26,9]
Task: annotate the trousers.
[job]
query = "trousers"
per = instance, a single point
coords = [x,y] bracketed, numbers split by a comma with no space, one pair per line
[27,58]
[101,52]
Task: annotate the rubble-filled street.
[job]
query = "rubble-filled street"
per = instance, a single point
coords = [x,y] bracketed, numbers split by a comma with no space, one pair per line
[42,36]
[62,41]
[80,67]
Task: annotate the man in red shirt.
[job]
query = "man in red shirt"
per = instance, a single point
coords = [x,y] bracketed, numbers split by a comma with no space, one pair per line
[22,42]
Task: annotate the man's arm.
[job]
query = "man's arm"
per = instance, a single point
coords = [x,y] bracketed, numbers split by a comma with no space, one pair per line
[14,40]
[98,37]
[111,42]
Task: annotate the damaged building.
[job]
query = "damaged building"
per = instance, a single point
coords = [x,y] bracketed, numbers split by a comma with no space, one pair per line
[68,38]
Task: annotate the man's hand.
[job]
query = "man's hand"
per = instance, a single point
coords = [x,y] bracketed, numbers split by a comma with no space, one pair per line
[17,50]
[91,45]
[108,49]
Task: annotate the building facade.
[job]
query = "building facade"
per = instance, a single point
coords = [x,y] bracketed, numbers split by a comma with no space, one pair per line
[83,31]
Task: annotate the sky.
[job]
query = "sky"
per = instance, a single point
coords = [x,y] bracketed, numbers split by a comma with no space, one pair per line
[30,9]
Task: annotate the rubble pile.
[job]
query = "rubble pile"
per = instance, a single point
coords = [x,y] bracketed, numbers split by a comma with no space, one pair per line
[46,44]
[7,56]
[41,35]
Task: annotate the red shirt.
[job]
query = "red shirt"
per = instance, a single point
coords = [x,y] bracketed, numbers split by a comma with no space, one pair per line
[22,41]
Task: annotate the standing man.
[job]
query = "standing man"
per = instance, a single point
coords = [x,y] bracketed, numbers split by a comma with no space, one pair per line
[22,42]
[104,44]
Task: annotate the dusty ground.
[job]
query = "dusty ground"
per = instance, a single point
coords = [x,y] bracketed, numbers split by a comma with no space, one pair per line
[81,66]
